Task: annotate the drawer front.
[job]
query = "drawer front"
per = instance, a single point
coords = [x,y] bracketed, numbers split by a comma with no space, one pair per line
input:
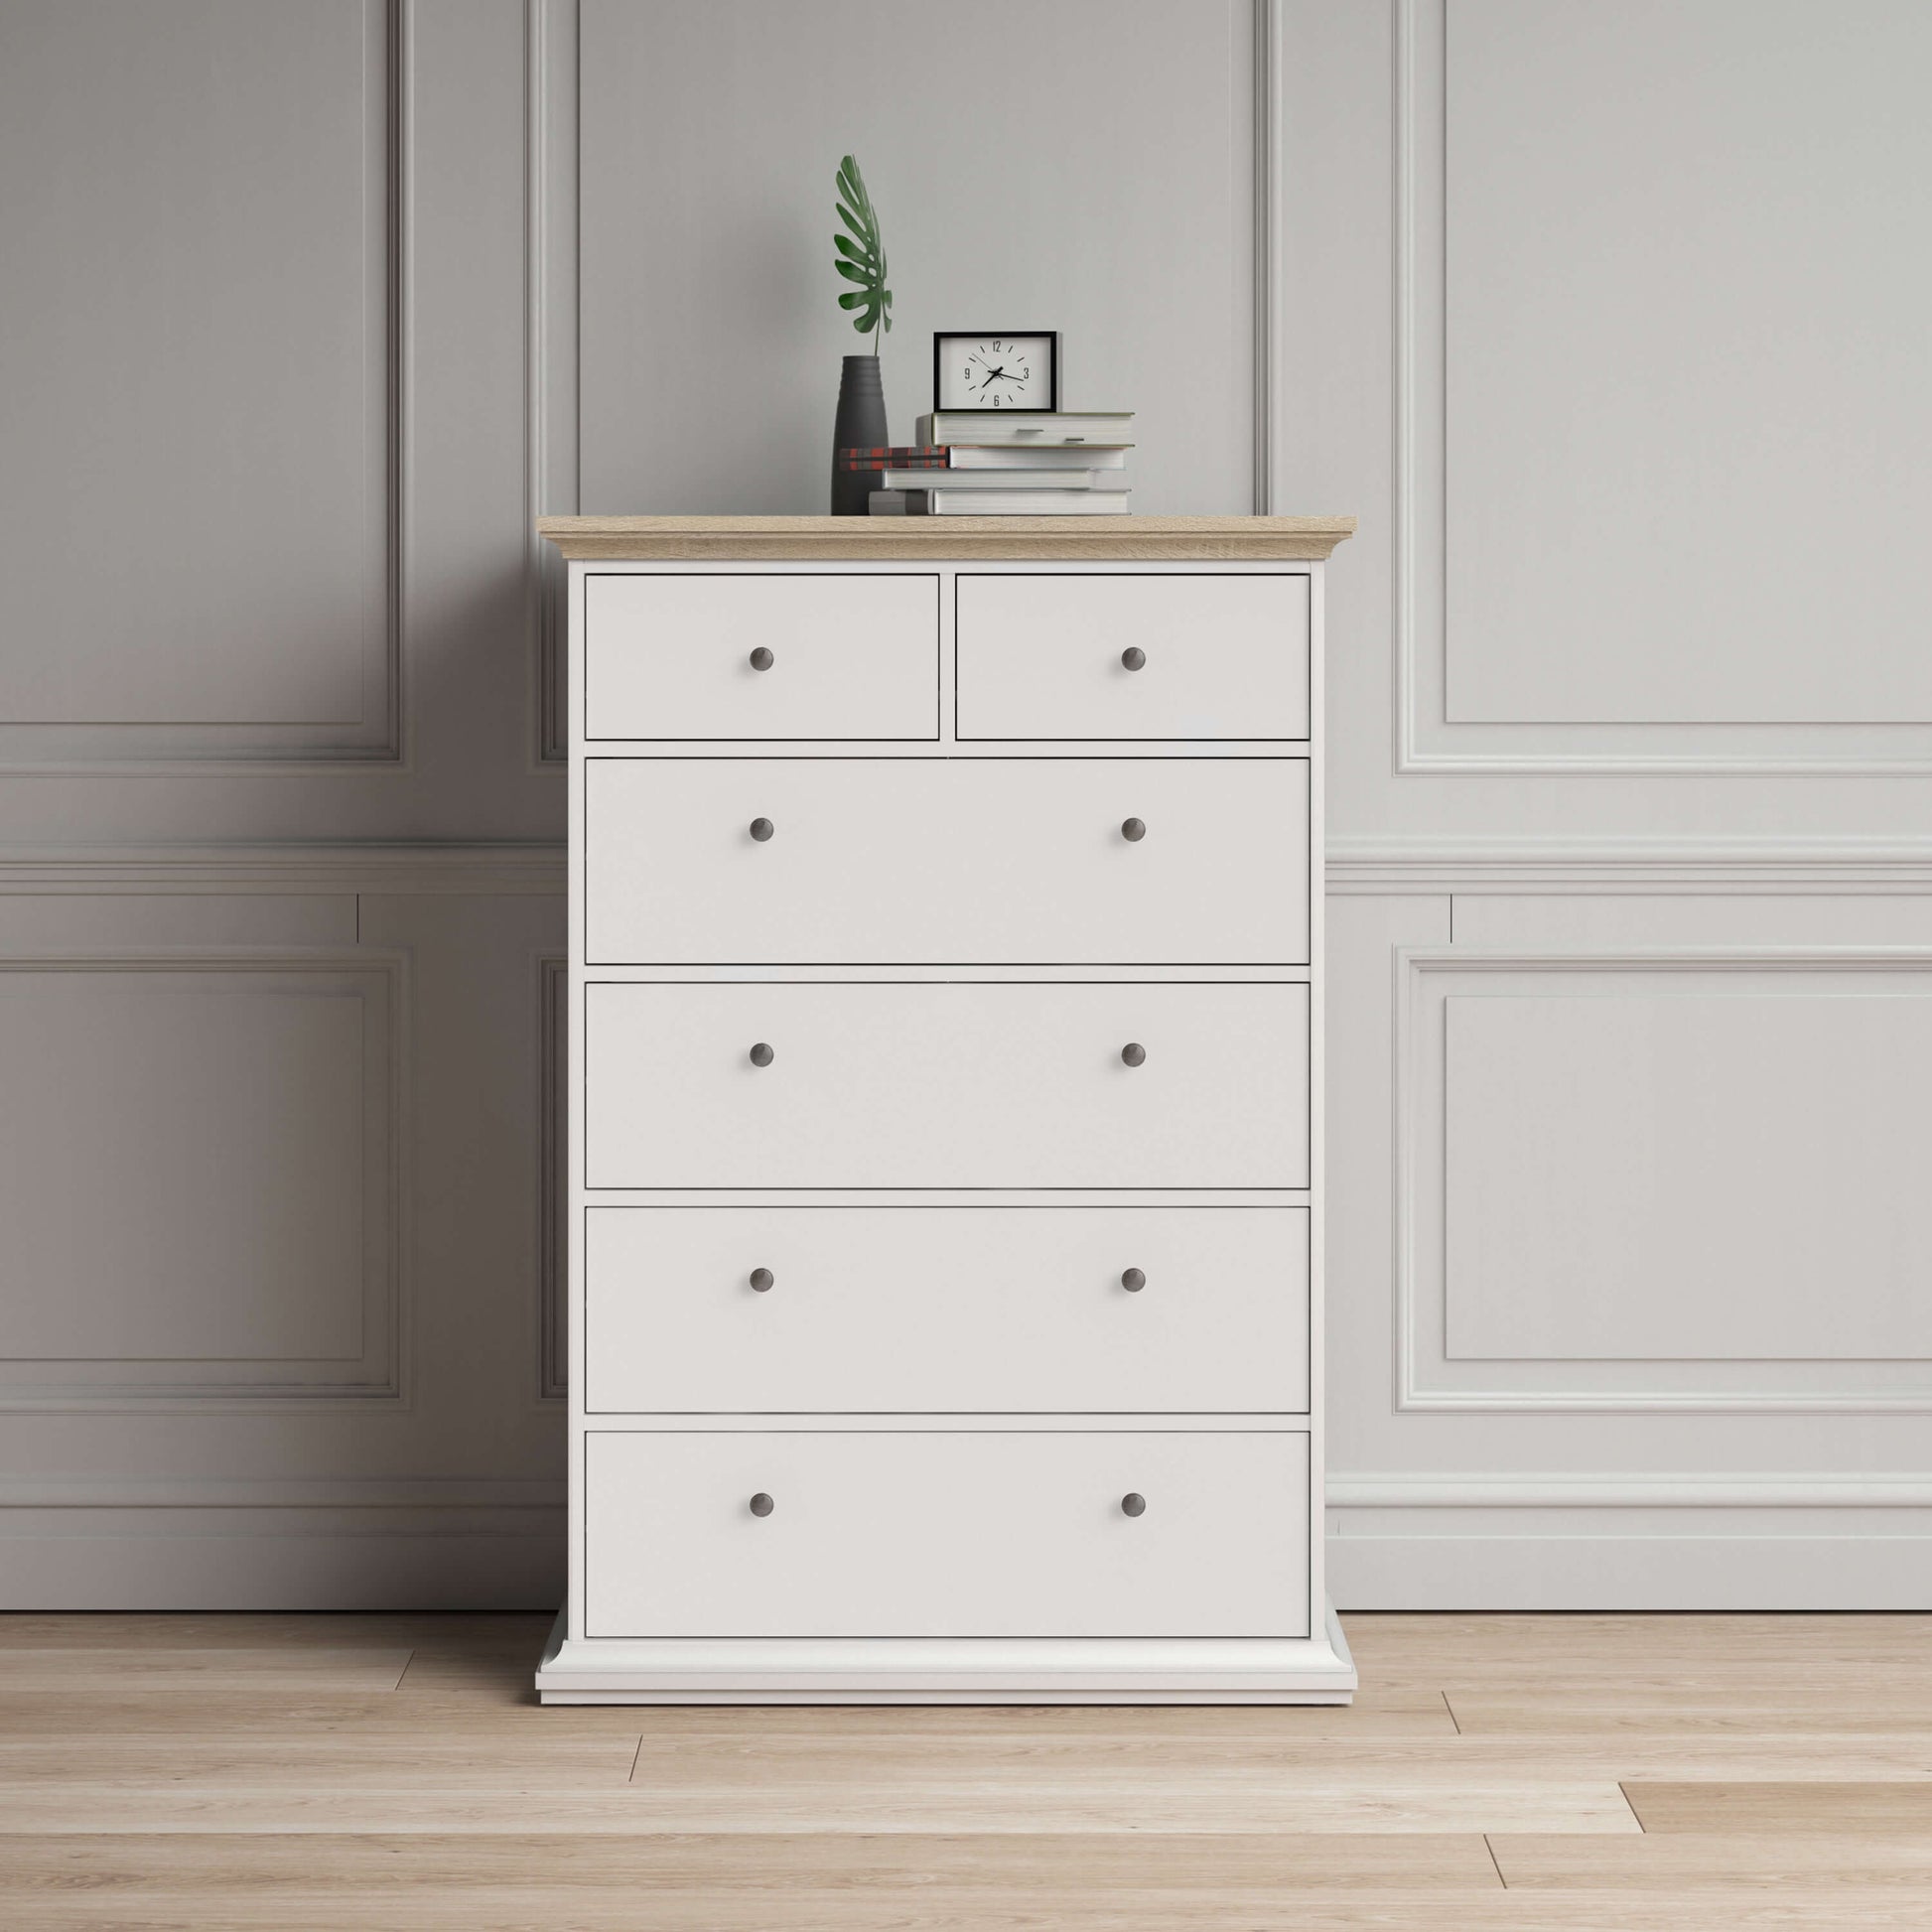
[947,861]
[670,657]
[1225,658]
[946,1085]
[946,1534]
[946,1309]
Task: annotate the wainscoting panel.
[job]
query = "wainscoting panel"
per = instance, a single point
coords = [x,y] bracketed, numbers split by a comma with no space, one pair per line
[1643,288]
[1647,239]
[272,1326]
[200,302]
[198,1176]
[1670,1181]
[1635,1318]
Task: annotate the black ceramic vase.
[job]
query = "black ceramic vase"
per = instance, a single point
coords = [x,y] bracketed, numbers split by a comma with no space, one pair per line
[861,425]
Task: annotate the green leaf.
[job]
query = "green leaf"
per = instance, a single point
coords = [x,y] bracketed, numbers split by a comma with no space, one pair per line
[863,258]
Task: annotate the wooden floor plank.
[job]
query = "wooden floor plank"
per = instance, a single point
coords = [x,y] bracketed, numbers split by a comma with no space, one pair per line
[1163,1863]
[1668,1860]
[532,1909]
[308,1764]
[1125,1750]
[314,1671]
[510,1709]
[1006,1805]
[1861,1809]
[1780,1703]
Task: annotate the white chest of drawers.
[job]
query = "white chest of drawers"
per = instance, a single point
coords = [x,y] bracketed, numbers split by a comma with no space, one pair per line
[945,1166]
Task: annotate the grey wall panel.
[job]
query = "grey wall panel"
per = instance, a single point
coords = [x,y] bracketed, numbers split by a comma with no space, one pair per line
[1686,291]
[199,1176]
[1608,322]
[294,1149]
[193,349]
[1085,166]
[271,354]
[1746,1147]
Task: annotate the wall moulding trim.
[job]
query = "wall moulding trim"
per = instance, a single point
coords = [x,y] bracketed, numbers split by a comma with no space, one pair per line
[1673,1490]
[1415,964]
[487,868]
[552,1271]
[283,1492]
[1419,98]
[551,398]
[1270,362]
[386,1297]
[1376,866]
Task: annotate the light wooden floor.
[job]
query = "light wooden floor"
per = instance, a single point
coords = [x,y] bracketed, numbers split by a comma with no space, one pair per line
[1609,1774]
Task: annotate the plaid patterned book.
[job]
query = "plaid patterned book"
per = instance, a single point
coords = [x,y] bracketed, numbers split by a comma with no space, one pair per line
[915,456]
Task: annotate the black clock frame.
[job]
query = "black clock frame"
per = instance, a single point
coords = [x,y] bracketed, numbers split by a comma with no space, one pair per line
[1052,403]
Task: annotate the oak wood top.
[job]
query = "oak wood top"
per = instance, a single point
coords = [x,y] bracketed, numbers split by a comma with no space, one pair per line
[1014,539]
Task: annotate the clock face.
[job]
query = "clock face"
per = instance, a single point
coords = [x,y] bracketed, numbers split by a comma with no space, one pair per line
[995,372]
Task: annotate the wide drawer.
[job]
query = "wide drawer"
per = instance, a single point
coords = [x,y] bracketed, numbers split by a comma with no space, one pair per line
[937,861]
[1040,656]
[946,1534]
[993,1084]
[670,657]
[946,1309]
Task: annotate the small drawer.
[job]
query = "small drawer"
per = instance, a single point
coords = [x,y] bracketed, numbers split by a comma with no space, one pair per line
[1047,657]
[908,1084]
[844,1311]
[670,657]
[1018,861]
[946,1534]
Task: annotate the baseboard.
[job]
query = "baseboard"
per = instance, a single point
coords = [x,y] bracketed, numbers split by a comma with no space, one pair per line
[1580,1568]
[147,1569]
[60,1560]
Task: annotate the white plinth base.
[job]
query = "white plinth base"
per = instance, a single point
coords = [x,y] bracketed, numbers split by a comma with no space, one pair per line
[945,1670]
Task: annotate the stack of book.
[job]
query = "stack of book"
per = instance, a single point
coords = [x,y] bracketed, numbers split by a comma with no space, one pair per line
[973,463]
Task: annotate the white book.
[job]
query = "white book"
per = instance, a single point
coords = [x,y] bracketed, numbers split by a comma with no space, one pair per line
[1007,477]
[999,503]
[1034,455]
[992,426]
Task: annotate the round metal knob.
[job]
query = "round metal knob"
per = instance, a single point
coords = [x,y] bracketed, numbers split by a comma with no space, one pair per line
[763,1505]
[762,1054]
[1133,657]
[1133,1281]
[761,829]
[762,659]
[1131,1504]
[762,1278]
[1132,830]
[1133,1054]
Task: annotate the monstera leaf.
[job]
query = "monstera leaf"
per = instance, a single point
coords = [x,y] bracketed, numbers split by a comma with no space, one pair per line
[859,257]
